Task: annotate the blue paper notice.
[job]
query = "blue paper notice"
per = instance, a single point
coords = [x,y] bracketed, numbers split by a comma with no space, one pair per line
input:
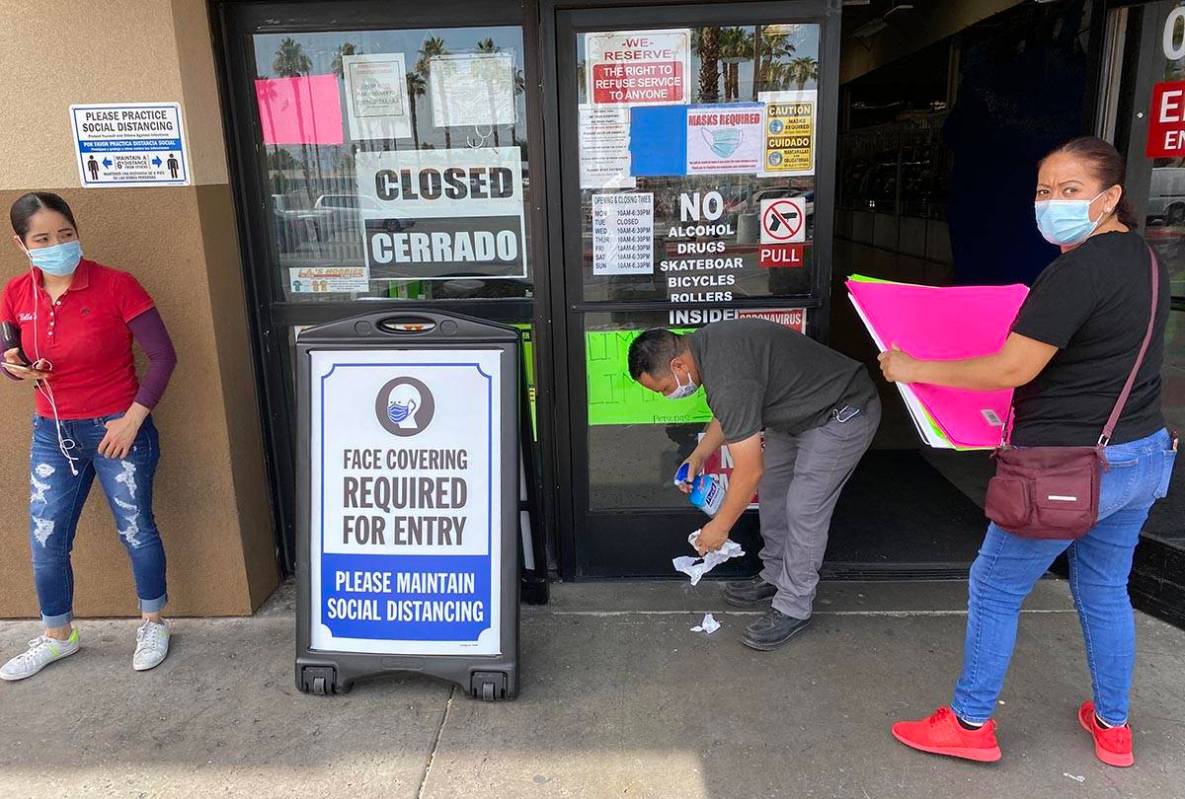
[658,141]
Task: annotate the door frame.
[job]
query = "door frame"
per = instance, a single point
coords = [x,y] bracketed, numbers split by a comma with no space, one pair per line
[571,445]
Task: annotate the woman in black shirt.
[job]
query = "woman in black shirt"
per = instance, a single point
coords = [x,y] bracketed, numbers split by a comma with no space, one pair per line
[1070,351]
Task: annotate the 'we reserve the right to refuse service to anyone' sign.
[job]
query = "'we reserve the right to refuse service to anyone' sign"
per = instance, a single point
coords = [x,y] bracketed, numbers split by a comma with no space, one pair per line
[404,501]
[638,67]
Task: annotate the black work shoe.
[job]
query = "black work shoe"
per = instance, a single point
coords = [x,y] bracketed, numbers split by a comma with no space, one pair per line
[773,630]
[748,593]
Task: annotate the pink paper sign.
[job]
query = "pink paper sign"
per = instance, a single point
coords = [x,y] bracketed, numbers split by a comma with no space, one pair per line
[303,110]
[948,324]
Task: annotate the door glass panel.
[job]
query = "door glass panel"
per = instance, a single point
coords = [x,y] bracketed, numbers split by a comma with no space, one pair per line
[636,438]
[1141,66]
[1164,193]
[396,163]
[1165,231]
[687,137]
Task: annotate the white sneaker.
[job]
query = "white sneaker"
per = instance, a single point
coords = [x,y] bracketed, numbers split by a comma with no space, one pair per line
[152,646]
[41,652]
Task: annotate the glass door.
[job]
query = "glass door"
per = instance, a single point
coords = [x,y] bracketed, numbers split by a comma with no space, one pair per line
[383,158]
[696,147]
[1141,111]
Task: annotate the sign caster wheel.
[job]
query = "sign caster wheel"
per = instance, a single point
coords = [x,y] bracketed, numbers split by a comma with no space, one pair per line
[319,682]
[488,687]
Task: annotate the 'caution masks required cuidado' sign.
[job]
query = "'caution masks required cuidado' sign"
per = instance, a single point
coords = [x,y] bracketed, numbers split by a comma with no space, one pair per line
[405,498]
[443,214]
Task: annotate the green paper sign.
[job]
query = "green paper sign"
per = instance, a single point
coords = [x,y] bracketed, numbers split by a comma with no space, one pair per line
[528,348]
[614,398]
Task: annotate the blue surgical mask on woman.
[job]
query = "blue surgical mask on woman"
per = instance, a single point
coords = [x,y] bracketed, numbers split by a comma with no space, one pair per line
[1066,222]
[60,260]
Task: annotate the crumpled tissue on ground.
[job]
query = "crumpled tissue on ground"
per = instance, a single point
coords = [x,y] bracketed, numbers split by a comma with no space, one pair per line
[709,625]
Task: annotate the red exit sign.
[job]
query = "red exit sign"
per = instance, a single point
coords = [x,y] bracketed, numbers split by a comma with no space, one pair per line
[1166,121]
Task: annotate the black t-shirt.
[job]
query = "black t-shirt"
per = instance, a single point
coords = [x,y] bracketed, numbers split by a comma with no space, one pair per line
[1092,303]
[759,374]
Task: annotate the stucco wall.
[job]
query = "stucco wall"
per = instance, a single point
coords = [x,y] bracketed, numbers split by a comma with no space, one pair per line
[211,490]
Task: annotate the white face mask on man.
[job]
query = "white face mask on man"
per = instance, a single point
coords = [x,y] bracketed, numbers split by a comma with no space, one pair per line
[682,391]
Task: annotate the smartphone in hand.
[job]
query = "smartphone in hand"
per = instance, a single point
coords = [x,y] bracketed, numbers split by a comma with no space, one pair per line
[10,339]
[37,371]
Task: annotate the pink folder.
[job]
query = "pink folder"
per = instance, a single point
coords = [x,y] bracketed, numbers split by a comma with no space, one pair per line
[947,324]
[303,110]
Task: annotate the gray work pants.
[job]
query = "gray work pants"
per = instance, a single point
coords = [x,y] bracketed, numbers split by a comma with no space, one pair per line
[799,489]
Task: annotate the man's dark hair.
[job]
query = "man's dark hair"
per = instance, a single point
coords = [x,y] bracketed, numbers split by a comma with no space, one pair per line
[652,352]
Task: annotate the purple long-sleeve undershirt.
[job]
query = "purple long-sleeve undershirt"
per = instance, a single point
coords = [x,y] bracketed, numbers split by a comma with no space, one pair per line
[148,330]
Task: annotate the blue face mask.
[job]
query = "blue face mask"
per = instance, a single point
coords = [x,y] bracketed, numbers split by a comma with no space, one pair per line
[59,260]
[1066,222]
[399,411]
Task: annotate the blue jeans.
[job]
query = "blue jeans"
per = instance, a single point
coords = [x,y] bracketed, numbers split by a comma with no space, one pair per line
[1100,562]
[55,503]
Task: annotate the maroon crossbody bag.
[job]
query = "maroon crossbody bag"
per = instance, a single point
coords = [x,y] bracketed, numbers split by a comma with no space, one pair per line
[1053,492]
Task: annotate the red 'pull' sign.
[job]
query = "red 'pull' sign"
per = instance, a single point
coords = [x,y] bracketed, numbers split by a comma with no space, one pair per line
[1166,121]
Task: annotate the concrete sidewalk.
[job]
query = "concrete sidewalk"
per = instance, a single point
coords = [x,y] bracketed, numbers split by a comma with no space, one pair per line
[619,699]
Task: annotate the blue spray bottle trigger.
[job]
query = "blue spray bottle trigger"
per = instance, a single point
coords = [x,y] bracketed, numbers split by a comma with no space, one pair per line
[681,476]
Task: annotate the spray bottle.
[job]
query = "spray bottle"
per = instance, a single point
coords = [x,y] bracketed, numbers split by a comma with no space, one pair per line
[706,492]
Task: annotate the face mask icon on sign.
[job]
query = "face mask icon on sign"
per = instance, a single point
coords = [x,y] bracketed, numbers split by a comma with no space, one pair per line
[723,141]
[402,406]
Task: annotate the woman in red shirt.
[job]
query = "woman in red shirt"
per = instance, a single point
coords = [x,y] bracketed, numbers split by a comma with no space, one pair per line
[69,324]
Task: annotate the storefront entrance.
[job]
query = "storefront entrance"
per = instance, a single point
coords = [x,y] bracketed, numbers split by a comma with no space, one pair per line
[353,127]
[588,170]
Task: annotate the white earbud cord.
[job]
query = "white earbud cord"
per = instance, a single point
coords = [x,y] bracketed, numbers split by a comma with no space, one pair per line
[65,445]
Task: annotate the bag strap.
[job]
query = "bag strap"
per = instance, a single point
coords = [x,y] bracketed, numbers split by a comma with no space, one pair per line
[1105,438]
[1006,431]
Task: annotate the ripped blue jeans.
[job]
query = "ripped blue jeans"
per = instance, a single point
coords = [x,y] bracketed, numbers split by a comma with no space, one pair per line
[55,503]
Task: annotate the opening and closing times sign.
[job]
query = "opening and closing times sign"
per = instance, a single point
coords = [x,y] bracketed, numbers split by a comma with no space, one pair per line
[638,67]
[623,234]
[404,500]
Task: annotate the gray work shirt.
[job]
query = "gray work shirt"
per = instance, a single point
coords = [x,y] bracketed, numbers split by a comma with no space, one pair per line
[759,374]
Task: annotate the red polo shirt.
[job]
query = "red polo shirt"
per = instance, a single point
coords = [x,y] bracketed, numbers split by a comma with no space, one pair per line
[84,335]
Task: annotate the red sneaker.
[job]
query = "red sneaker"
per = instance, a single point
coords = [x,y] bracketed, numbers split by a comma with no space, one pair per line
[1112,745]
[941,734]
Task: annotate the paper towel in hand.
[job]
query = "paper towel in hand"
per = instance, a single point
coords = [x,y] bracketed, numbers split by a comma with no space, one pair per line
[695,568]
